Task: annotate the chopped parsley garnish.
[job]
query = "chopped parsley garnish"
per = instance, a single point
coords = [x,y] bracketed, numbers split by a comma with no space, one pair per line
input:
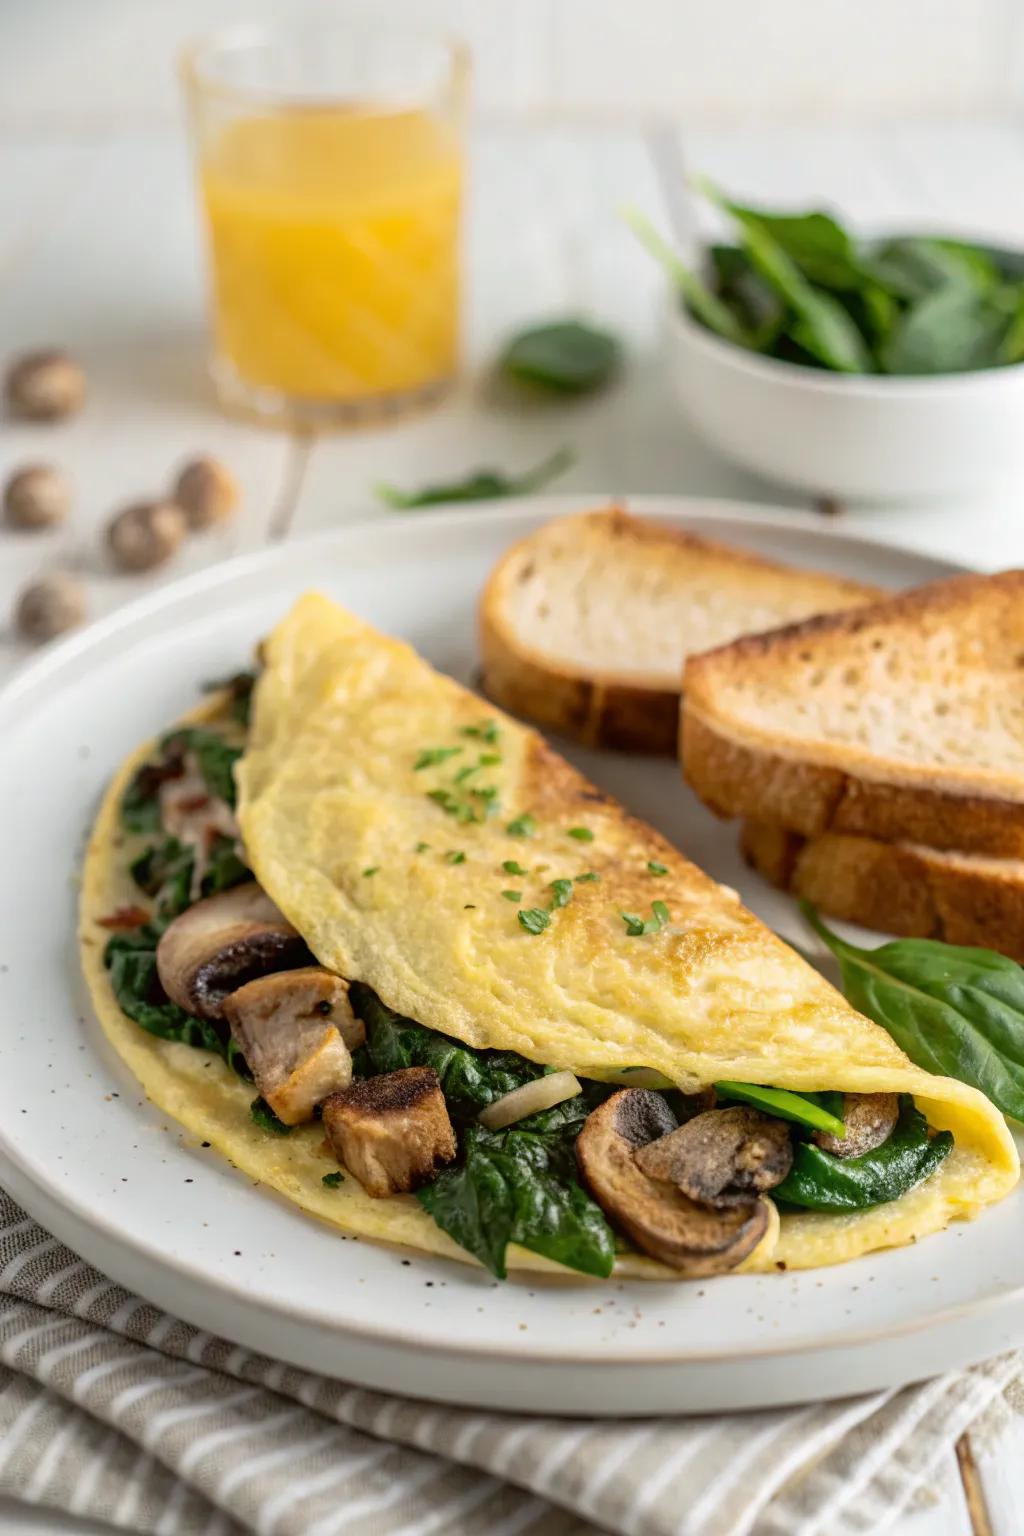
[637,926]
[654,868]
[489,759]
[581,834]
[430,756]
[488,792]
[455,856]
[453,806]
[371,871]
[487,731]
[512,895]
[533,919]
[464,772]
[512,868]
[588,874]
[522,826]
[561,893]
[332,1180]
[422,847]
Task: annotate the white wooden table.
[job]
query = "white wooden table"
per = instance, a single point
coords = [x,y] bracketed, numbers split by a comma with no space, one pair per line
[99,253]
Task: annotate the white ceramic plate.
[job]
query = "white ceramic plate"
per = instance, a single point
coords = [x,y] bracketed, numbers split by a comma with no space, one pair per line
[102,1169]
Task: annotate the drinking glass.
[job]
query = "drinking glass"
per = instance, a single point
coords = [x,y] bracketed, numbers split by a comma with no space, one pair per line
[330,167]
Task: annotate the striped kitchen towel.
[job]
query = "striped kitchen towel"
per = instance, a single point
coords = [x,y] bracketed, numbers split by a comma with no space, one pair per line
[118,1412]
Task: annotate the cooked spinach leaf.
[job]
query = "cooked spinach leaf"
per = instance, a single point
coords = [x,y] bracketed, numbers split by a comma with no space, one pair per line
[470,1080]
[819,1111]
[263,1116]
[819,1181]
[239,686]
[567,357]
[130,958]
[515,1186]
[214,756]
[480,485]
[956,1011]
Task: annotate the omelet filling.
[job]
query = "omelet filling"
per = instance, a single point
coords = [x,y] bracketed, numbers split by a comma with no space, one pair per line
[604,1166]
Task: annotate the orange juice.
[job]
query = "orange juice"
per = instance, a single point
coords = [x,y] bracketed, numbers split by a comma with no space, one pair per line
[334,239]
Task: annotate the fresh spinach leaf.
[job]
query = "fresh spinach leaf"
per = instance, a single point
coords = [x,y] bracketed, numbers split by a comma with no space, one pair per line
[566,357]
[511,1187]
[1011,348]
[819,1181]
[955,1011]
[757,306]
[706,305]
[470,1080]
[912,267]
[481,485]
[821,325]
[953,330]
[814,242]
[818,1111]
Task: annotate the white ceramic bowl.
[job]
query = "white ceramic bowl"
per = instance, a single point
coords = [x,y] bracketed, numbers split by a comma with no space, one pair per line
[877,438]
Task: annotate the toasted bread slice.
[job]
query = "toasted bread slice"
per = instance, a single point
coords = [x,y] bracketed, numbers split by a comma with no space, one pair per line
[585,624]
[902,720]
[896,887]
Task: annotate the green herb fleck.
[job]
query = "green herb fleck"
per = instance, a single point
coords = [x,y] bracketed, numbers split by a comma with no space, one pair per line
[371,871]
[430,756]
[487,731]
[512,895]
[522,826]
[512,868]
[455,856]
[464,772]
[561,892]
[636,925]
[489,759]
[332,1180]
[587,875]
[422,847]
[581,834]
[533,919]
[654,868]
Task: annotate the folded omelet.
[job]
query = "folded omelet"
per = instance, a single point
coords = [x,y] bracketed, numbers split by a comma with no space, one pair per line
[444,856]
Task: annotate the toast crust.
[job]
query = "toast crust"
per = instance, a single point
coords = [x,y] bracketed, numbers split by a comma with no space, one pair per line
[630,711]
[736,779]
[981,618]
[896,887]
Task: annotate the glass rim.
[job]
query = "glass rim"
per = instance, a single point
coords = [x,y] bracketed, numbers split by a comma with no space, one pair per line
[198,50]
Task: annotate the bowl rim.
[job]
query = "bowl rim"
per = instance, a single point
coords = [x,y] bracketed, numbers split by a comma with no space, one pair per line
[825,382]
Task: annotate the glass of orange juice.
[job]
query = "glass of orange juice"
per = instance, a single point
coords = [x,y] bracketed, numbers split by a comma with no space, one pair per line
[330,164]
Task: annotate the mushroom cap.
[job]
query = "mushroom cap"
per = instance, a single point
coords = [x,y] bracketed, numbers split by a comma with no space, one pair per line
[722,1157]
[659,1218]
[222,942]
[870,1119]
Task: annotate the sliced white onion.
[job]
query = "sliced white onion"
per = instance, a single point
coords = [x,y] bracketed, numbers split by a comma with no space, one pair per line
[639,1077]
[530,1099]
